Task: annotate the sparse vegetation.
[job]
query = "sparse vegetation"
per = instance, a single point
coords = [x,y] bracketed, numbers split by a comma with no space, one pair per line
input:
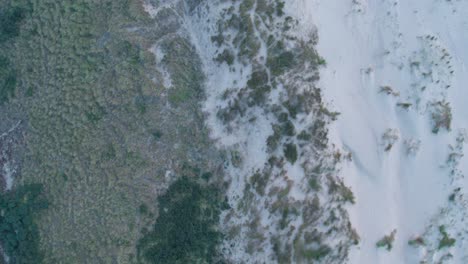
[389,91]
[446,241]
[453,195]
[317,254]
[226,56]
[184,66]
[412,146]
[218,39]
[304,136]
[389,138]
[418,241]
[441,116]
[291,65]
[405,105]
[259,182]
[340,188]
[387,241]
[314,184]
[321,61]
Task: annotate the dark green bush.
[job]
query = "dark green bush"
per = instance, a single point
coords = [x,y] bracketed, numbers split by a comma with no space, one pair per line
[227,56]
[318,253]
[218,39]
[258,79]
[281,63]
[446,241]
[259,87]
[288,128]
[19,234]
[10,19]
[290,152]
[279,8]
[387,241]
[7,80]
[186,229]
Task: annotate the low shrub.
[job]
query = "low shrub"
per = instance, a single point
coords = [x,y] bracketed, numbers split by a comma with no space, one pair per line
[19,235]
[387,241]
[446,241]
[186,228]
[290,152]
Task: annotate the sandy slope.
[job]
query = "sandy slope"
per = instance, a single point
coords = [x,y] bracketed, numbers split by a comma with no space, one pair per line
[369,44]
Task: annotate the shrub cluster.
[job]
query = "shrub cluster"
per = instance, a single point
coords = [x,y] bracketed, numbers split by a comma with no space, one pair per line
[19,234]
[185,231]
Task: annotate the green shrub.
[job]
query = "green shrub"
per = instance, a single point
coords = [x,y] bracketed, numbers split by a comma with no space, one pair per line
[274,140]
[290,152]
[387,241]
[218,39]
[259,182]
[281,63]
[318,253]
[10,19]
[441,116]
[143,209]
[288,128]
[19,234]
[186,229]
[264,7]
[157,134]
[304,136]
[259,88]
[227,56]
[446,241]
[339,187]
[314,184]
[258,79]
[246,6]
[7,87]
[418,241]
[7,80]
[322,61]
[279,8]
[183,65]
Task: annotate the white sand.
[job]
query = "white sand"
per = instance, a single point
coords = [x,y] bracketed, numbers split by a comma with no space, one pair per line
[372,43]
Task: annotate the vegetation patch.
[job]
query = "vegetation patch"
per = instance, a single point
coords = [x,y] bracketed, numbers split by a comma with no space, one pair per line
[418,241]
[446,241]
[10,21]
[226,56]
[290,152]
[184,67]
[441,116]
[317,254]
[339,187]
[98,120]
[281,63]
[186,228]
[259,182]
[7,80]
[387,241]
[19,235]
